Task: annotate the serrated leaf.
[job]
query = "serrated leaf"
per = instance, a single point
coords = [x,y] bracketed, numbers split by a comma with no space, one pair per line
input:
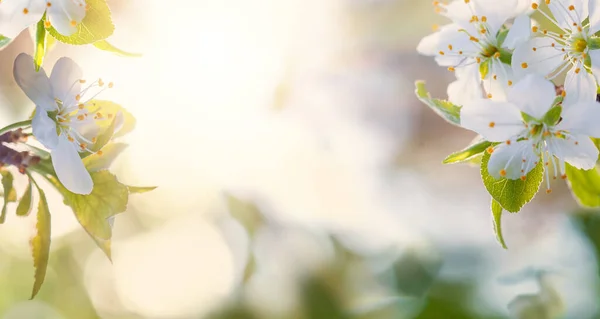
[445,109]
[108,198]
[40,45]
[96,25]
[106,46]
[96,162]
[10,195]
[512,195]
[40,243]
[585,185]
[139,190]
[497,214]
[26,202]
[468,153]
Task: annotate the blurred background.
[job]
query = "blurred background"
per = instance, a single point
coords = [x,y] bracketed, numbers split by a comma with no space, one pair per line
[298,177]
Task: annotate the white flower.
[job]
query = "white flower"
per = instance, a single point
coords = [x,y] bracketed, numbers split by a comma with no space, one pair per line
[62,121]
[63,15]
[575,48]
[477,46]
[530,129]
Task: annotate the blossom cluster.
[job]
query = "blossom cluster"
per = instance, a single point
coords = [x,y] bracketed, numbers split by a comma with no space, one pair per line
[527,74]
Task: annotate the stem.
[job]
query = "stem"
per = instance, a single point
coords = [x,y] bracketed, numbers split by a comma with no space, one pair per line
[14,126]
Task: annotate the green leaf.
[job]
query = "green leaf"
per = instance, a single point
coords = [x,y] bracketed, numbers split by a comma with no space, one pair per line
[445,109]
[4,41]
[468,153]
[96,25]
[108,198]
[40,243]
[553,115]
[139,190]
[512,194]
[585,185]
[102,139]
[26,202]
[10,195]
[109,110]
[40,44]
[497,213]
[105,46]
[96,162]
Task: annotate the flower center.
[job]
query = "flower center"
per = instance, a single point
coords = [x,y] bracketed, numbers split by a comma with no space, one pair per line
[579,45]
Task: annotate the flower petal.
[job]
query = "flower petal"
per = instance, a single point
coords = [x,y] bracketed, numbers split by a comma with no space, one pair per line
[579,86]
[467,87]
[512,160]
[16,16]
[567,17]
[495,121]
[64,15]
[35,84]
[519,32]
[446,44]
[594,16]
[578,151]
[538,55]
[69,168]
[64,80]
[581,118]
[533,95]
[44,129]
[498,80]
[595,59]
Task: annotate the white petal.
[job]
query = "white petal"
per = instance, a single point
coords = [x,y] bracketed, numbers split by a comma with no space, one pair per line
[35,84]
[537,56]
[566,17]
[581,118]
[64,15]
[533,95]
[512,160]
[44,129]
[16,16]
[467,87]
[595,59]
[496,13]
[449,41]
[519,32]
[594,8]
[497,81]
[495,121]
[579,87]
[69,168]
[65,80]
[582,155]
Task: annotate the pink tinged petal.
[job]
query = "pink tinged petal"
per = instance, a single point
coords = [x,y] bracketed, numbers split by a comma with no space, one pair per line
[16,16]
[467,87]
[35,84]
[69,168]
[594,16]
[533,95]
[566,17]
[512,160]
[578,151]
[498,81]
[595,59]
[65,15]
[537,56]
[581,118]
[579,86]
[495,121]
[519,32]
[64,80]
[44,129]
